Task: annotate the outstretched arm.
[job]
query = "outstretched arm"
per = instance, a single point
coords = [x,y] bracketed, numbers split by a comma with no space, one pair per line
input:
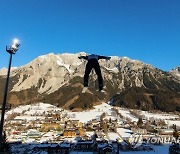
[104,57]
[83,57]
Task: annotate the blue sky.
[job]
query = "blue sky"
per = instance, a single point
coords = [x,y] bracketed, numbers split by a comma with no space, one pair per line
[147,30]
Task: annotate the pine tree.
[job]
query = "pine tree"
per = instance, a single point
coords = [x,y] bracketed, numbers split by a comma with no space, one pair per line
[140,122]
[175,133]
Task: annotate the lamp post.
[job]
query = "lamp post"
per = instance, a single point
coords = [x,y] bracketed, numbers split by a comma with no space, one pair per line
[11,50]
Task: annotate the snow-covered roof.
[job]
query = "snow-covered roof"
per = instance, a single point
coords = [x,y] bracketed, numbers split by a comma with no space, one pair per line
[125,133]
[112,136]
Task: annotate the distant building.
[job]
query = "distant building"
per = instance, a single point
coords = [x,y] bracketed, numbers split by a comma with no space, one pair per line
[32,133]
[166,132]
[104,148]
[50,126]
[72,132]
[69,133]
[80,132]
[87,145]
[139,131]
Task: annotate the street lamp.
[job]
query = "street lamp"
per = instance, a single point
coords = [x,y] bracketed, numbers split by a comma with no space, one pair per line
[14,47]
[11,50]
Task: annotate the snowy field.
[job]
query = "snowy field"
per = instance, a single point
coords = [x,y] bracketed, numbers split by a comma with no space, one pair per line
[124,132]
[170,119]
[125,113]
[40,109]
[159,116]
[171,122]
[27,110]
[88,115]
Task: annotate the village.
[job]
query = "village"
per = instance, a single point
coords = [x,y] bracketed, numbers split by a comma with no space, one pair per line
[106,129]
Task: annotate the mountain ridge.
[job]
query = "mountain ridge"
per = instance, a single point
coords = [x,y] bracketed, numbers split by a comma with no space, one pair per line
[58,79]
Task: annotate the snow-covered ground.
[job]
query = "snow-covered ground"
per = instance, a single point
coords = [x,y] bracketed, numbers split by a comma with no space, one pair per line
[88,115]
[126,113]
[170,119]
[124,132]
[162,116]
[171,122]
[34,109]
[112,136]
[40,109]
[29,118]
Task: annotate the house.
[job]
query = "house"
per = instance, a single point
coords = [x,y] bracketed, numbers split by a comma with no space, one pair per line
[72,132]
[87,145]
[69,133]
[100,134]
[77,123]
[24,134]
[95,123]
[86,137]
[50,126]
[113,137]
[104,148]
[32,133]
[89,135]
[16,132]
[80,132]
[61,123]
[48,136]
[124,146]
[107,150]
[17,120]
[166,132]
[65,147]
[74,124]
[139,131]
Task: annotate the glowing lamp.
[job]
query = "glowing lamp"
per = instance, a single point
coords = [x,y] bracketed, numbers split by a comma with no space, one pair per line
[14,47]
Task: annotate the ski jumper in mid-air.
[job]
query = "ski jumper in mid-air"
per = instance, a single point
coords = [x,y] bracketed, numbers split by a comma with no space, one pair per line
[93,63]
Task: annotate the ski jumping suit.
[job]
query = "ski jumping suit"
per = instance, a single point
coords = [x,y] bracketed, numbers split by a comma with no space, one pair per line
[93,63]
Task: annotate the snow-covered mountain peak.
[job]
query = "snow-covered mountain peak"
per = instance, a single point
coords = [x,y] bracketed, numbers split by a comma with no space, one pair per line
[177,69]
[176,72]
[70,59]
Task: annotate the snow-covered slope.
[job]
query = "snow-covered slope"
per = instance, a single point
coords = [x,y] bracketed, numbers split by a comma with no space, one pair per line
[38,110]
[176,72]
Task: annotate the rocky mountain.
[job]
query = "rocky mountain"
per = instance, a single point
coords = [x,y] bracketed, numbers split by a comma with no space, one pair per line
[58,79]
[176,72]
